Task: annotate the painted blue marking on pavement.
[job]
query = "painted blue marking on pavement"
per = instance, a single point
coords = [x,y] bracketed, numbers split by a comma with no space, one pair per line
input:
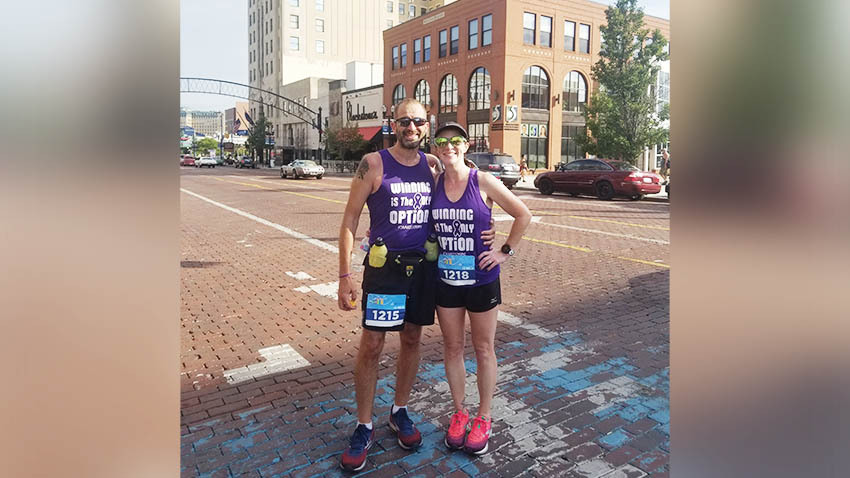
[615,438]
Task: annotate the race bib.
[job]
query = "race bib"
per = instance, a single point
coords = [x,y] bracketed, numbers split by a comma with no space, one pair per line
[385,310]
[457,269]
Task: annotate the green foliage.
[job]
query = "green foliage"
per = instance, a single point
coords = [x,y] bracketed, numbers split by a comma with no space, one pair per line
[621,117]
[257,136]
[205,144]
[345,143]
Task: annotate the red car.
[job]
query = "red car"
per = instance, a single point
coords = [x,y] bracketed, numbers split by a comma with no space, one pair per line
[187,160]
[601,178]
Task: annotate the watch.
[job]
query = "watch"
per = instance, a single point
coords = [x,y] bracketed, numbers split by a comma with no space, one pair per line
[506,249]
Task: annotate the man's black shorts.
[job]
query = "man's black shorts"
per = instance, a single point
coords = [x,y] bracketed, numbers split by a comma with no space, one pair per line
[402,291]
[479,298]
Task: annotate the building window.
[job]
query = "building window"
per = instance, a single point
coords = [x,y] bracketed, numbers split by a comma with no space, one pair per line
[403,55]
[294,44]
[570,150]
[399,94]
[426,48]
[293,3]
[271,45]
[412,10]
[662,90]
[473,34]
[395,57]
[320,25]
[479,137]
[320,46]
[486,30]
[535,88]
[545,31]
[271,23]
[271,67]
[390,6]
[575,92]
[401,8]
[293,21]
[320,5]
[479,90]
[389,23]
[583,38]
[455,38]
[569,35]
[422,92]
[448,94]
[529,25]
[444,42]
[417,51]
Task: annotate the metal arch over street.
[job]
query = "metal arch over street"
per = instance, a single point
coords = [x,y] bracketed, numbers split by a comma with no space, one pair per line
[238,90]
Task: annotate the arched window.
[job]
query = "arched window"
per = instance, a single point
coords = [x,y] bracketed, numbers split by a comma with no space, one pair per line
[535,88]
[399,93]
[448,94]
[422,93]
[575,92]
[479,90]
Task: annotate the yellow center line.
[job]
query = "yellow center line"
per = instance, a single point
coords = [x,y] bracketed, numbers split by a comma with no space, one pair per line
[551,243]
[660,228]
[535,212]
[657,264]
[287,192]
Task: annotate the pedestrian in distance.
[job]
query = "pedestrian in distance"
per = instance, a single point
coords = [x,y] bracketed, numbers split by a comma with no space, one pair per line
[665,164]
[523,167]
[399,279]
[469,278]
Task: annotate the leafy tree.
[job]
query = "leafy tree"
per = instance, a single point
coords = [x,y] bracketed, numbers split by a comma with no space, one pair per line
[257,136]
[345,143]
[621,117]
[204,145]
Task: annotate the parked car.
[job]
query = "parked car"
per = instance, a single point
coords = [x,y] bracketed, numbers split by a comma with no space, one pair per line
[206,162]
[245,162]
[500,165]
[219,161]
[187,160]
[601,178]
[302,168]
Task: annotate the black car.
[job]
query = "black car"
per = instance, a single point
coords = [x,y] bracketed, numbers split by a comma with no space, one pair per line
[500,165]
[246,162]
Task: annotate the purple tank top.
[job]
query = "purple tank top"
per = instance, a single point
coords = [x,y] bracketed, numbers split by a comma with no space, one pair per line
[399,211]
[458,226]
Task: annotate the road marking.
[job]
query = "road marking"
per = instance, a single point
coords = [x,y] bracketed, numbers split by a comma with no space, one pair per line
[284,229]
[656,264]
[300,275]
[530,328]
[325,290]
[309,188]
[595,202]
[259,186]
[508,217]
[278,358]
[606,233]
[541,241]
[610,221]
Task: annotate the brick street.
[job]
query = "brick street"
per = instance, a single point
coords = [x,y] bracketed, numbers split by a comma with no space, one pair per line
[267,357]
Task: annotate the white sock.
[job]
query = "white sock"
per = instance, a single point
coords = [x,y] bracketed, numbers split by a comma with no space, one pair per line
[396,408]
[368,425]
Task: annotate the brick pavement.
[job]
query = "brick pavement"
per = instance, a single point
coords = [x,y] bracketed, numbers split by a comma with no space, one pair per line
[584,356]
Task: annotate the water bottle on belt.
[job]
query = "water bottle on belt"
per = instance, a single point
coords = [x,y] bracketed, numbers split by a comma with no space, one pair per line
[378,253]
[431,249]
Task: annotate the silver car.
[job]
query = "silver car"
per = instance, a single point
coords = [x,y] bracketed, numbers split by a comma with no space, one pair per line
[499,165]
[302,168]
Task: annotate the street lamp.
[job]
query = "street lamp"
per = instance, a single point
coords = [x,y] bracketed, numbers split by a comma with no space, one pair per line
[269,140]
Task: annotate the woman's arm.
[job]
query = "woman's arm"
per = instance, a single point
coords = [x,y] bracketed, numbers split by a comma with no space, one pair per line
[495,191]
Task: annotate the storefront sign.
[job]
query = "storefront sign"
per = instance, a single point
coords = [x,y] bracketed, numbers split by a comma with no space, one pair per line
[359,115]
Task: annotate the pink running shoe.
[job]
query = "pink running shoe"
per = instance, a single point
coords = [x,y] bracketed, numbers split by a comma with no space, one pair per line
[476,441]
[457,430]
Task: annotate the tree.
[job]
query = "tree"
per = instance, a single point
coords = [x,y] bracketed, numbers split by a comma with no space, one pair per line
[345,143]
[204,145]
[257,136]
[621,117]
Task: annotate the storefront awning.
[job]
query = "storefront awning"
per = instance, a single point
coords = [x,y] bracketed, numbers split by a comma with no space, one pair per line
[369,132]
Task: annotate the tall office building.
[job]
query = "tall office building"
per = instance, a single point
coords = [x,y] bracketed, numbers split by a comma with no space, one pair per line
[207,123]
[290,40]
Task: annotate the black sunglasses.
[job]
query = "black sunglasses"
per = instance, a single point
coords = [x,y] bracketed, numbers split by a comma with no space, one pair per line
[405,122]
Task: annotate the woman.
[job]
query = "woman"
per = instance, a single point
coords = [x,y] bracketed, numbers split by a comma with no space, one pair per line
[469,277]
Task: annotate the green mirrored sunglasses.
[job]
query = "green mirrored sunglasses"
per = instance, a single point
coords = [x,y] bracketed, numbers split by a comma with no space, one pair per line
[456,141]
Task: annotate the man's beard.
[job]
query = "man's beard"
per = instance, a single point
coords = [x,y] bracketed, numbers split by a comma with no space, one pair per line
[407,144]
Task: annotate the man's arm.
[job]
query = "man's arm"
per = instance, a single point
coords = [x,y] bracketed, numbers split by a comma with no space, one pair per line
[362,186]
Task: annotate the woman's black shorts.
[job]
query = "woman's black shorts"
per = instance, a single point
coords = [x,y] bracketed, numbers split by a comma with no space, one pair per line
[479,298]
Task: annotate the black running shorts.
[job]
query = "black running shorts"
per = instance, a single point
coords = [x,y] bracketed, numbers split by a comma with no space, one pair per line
[479,298]
[402,291]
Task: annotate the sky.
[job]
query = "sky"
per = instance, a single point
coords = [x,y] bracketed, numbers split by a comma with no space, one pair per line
[214,44]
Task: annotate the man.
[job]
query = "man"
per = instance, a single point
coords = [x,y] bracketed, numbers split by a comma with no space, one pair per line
[665,164]
[396,183]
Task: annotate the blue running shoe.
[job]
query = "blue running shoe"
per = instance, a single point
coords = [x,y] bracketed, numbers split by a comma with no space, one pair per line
[408,436]
[354,459]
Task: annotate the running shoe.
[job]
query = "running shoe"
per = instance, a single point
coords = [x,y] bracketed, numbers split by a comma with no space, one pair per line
[354,459]
[476,441]
[457,430]
[408,436]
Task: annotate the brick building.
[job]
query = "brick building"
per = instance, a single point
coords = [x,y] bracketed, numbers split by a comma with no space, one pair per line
[515,72]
